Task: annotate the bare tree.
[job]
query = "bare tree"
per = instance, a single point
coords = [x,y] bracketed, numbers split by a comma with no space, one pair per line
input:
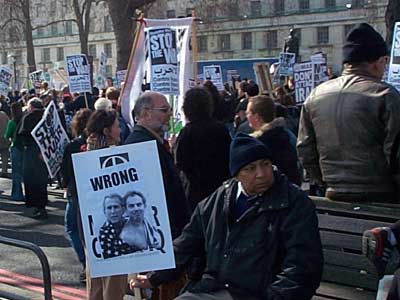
[123,18]
[81,10]
[392,16]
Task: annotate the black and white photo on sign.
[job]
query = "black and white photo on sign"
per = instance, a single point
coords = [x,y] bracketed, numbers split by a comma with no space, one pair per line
[394,66]
[36,78]
[164,60]
[303,81]
[123,209]
[320,68]
[50,136]
[286,63]
[214,74]
[5,80]
[78,73]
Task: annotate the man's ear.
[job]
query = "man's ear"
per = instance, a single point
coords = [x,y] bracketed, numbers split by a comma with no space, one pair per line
[106,131]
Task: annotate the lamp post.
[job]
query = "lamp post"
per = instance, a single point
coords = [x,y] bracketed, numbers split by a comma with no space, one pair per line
[14,61]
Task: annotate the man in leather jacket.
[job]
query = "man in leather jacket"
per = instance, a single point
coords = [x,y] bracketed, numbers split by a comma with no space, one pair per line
[258,234]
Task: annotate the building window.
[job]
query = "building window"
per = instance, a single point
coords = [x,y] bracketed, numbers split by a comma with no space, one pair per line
[53,8]
[246,41]
[357,3]
[60,54]
[108,24]
[330,3]
[255,9]
[93,51]
[18,57]
[347,29]
[40,32]
[322,35]
[108,50]
[189,11]
[279,7]
[225,42]
[171,13]
[271,39]
[54,29]
[202,44]
[68,27]
[109,72]
[46,55]
[304,5]
[4,59]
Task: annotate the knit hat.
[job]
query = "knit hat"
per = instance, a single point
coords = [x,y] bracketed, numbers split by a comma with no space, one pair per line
[244,150]
[363,44]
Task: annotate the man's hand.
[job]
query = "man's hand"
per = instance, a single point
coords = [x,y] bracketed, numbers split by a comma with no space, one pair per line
[141,282]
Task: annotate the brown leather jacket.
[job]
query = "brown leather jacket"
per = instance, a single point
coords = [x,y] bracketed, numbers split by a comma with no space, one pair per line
[347,127]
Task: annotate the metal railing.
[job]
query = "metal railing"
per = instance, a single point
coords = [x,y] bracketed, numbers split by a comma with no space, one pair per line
[42,258]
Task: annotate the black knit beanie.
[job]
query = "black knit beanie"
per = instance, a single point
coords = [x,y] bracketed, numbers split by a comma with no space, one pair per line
[244,150]
[363,44]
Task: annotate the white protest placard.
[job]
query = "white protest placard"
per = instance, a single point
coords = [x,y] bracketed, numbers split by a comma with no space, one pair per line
[101,78]
[120,76]
[78,74]
[5,80]
[394,66]
[303,81]
[36,78]
[51,138]
[384,287]
[214,74]
[164,77]
[123,239]
[320,68]
[286,63]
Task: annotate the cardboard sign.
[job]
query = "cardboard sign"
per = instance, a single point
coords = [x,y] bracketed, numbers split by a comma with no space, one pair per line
[51,139]
[286,63]
[78,69]
[164,61]
[214,74]
[303,81]
[394,66]
[264,78]
[123,209]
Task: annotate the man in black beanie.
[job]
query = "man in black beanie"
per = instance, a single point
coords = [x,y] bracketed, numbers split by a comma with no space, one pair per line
[348,125]
[257,235]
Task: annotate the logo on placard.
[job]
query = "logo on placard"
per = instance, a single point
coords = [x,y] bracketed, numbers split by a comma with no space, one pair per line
[113,160]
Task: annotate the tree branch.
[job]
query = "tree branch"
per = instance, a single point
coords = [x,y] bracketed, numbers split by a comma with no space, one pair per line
[53,22]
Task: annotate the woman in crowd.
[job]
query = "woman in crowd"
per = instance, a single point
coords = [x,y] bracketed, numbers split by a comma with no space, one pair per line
[16,149]
[103,131]
[202,147]
[72,221]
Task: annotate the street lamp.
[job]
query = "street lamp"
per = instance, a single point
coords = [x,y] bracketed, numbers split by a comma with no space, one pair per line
[14,61]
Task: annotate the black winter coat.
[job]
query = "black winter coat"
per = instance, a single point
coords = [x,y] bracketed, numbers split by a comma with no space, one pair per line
[178,208]
[273,252]
[202,153]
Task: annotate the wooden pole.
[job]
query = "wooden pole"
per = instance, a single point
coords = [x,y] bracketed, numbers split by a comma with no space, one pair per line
[86,101]
[194,49]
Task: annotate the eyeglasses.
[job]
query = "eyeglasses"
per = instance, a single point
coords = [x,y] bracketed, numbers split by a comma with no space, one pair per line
[163,109]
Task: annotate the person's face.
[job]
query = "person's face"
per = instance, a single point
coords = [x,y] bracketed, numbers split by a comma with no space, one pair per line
[380,66]
[113,210]
[159,114]
[114,132]
[252,117]
[135,209]
[256,177]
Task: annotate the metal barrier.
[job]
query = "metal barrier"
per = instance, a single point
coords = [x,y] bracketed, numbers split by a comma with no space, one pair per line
[42,257]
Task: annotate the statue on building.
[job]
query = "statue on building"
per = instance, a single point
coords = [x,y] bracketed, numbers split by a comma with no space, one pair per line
[292,43]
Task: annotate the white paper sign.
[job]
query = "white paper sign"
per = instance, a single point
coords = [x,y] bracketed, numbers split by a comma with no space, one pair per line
[394,66]
[164,61]
[78,74]
[384,287]
[214,73]
[131,238]
[320,69]
[5,80]
[286,63]
[36,79]
[120,76]
[303,81]
[51,138]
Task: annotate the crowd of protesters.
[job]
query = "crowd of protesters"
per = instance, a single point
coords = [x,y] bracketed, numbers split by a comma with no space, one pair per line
[228,134]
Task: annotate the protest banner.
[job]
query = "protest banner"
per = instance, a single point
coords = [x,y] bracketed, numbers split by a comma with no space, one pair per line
[5,80]
[320,69]
[231,76]
[139,66]
[384,287]
[35,80]
[59,78]
[264,78]
[286,63]
[120,77]
[214,74]
[131,172]
[101,76]
[394,65]
[303,81]
[78,74]
[51,138]
[164,75]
